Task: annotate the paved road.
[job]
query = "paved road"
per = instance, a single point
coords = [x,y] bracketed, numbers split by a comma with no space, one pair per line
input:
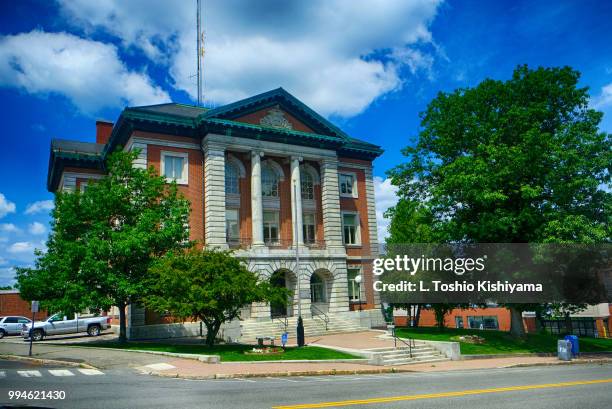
[100,358]
[122,388]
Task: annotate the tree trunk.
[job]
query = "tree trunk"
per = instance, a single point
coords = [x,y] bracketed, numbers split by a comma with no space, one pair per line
[122,323]
[212,329]
[440,313]
[539,326]
[569,327]
[517,329]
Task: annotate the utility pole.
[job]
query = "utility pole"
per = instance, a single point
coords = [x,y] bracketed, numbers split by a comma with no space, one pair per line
[300,323]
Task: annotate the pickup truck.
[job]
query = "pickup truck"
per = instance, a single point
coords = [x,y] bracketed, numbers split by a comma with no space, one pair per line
[58,324]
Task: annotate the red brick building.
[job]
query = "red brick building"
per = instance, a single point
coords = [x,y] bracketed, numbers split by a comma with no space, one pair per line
[256,171]
[12,304]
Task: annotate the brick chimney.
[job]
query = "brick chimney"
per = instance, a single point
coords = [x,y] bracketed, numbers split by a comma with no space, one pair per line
[103,131]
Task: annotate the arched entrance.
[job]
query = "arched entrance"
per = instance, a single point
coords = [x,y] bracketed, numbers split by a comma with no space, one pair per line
[321,282]
[283,279]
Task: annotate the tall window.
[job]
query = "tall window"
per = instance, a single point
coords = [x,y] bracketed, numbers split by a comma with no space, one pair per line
[317,288]
[232,180]
[307,185]
[269,182]
[270,227]
[347,184]
[174,166]
[350,228]
[354,288]
[308,220]
[232,226]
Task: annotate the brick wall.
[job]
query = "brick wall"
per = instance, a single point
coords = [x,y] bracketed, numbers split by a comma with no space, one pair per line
[192,191]
[428,319]
[12,304]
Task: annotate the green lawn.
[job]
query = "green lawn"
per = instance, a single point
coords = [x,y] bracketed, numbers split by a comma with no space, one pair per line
[498,342]
[229,353]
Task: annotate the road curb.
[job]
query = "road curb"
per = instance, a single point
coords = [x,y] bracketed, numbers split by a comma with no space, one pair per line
[44,361]
[279,374]
[522,355]
[599,361]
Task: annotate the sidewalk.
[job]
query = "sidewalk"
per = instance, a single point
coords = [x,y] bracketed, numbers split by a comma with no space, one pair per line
[196,370]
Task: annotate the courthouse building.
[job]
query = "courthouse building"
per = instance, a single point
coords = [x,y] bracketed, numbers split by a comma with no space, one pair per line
[255,171]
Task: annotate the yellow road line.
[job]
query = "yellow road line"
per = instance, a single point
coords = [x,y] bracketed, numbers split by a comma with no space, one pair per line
[441,395]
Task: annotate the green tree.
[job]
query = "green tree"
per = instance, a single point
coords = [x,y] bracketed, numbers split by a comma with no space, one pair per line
[104,239]
[207,285]
[512,161]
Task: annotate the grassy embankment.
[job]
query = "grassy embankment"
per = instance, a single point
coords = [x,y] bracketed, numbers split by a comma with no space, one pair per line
[498,342]
[229,353]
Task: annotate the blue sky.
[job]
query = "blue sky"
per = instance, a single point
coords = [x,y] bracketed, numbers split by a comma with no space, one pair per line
[369,66]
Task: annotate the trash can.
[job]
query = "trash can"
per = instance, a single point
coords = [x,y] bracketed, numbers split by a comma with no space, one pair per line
[564,350]
[574,340]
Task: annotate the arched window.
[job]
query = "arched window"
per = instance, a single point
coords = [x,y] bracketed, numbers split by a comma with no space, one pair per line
[232,184]
[307,184]
[317,288]
[269,182]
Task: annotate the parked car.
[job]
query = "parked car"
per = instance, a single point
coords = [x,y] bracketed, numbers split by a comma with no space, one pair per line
[11,325]
[58,324]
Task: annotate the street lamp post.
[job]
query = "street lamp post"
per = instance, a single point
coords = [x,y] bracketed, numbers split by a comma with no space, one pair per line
[300,323]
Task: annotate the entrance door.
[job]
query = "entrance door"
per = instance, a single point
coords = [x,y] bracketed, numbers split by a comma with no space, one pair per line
[278,309]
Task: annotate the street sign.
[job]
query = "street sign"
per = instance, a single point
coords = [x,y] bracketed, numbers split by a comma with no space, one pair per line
[34,306]
[284,339]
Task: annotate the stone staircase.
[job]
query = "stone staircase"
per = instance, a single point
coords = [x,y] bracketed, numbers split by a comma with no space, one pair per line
[314,326]
[391,356]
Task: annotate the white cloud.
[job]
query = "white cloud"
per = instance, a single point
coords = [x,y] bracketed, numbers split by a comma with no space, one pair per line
[6,206]
[89,73]
[37,228]
[9,228]
[605,98]
[21,247]
[7,276]
[40,206]
[3,261]
[337,56]
[386,196]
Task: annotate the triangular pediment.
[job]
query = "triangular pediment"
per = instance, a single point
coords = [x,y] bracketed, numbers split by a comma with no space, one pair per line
[277,109]
[274,117]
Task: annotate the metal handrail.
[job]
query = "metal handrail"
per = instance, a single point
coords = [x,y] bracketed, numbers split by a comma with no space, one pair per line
[284,321]
[410,342]
[320,313]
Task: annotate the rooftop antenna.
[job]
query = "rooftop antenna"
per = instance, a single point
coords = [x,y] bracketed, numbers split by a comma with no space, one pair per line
[200,50]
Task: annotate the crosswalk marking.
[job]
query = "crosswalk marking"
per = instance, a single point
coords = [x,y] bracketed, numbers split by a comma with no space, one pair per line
[86,371]
[29,374]
[60,372]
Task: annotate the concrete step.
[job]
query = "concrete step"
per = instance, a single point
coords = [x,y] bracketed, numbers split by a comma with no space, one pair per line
[414,361]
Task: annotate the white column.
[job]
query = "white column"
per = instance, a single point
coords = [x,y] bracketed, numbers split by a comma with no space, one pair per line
[372,225]
[214,196]
[296,200]
[256,199]
[330,203]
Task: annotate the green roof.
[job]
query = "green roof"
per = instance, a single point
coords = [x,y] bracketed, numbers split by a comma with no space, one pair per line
[196,122]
